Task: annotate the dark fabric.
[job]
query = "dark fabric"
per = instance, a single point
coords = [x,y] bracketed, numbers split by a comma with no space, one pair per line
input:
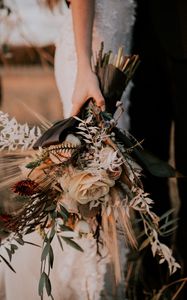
[68,3]
[167,19]
[158,98]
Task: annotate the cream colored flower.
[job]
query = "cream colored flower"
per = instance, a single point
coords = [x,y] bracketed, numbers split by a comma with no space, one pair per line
[68,203]
[83,227]
[83,186]
[110,161]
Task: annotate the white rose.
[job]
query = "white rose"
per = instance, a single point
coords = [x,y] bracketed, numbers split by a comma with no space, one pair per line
[83,186]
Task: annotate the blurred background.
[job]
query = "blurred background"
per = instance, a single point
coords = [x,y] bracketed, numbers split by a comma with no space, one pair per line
[28,31]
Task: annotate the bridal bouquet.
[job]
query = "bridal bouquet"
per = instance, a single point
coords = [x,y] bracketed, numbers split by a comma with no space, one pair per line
[81,178]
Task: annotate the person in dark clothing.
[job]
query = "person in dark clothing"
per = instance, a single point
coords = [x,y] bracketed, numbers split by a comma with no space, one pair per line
[158,98]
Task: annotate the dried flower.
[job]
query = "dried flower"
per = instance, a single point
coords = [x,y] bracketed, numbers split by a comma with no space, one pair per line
[83,186]
[14,135]
[25,187]
[5,218]
[68,203]
[83,227]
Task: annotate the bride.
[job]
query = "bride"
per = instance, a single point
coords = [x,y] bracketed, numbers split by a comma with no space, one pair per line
[75,276]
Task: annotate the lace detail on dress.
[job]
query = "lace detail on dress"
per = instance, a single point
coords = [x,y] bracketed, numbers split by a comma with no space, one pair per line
[113,23]
[79,275]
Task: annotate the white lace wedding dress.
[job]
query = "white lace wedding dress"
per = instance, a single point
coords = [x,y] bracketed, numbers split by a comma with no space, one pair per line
[76,275]
[113,23]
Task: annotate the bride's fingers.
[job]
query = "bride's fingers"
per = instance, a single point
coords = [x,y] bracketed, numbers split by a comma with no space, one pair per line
[100,101]
[77,104]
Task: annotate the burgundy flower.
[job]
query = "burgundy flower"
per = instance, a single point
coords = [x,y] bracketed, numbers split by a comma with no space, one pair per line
[25,187]
[5,218]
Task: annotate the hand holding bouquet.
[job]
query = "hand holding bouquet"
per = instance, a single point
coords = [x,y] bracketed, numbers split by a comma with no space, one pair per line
[82,178]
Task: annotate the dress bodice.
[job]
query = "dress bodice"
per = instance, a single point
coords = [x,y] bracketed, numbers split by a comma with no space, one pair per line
[112,24]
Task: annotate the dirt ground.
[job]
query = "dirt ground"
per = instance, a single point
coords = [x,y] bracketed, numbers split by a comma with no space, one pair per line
[33,86]
[25,88]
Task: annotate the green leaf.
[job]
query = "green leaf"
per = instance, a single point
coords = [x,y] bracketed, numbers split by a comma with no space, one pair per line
[60,242]
[33,164]
[51,257]
[41,284]
[168,224]
[72,243]
[9,253]
[64,213]
[45,251]
[44,282]
[52,233]
[167,214]
[53,214]
[33,244]
[169,231]
[147,160]
[156,166]
[7,263]
[65,228]
[19,240]
[13,247]
[47,285]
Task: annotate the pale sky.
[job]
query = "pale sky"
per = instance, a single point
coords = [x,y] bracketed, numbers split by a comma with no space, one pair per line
[29,23]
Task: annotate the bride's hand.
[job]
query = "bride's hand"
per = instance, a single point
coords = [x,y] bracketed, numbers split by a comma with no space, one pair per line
[86,86]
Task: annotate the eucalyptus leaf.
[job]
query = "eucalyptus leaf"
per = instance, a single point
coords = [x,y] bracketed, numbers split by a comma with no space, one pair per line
[19,240]
[167,224]
[13,247]
[167,213]
[45,251]
[169,231]
[65,228]
[64,213]
[52,234]
[47,285]
[33,244]
[156,166]
[33,164]
[60,242]
[51,257]
[9,252]
[7,263]
[53,214]
[147,160]
[72,243]
[41,284]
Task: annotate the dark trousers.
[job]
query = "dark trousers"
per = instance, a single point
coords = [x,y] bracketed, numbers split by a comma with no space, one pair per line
[159,96]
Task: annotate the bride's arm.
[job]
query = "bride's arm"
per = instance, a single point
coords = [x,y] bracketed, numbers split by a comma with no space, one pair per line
[86,85]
